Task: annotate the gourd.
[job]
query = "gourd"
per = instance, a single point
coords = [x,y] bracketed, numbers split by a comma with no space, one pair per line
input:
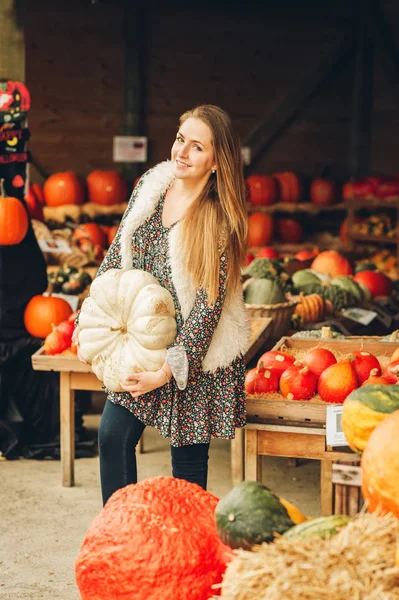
[263,267]
[322,527]
[263,291]
[310,307]
[306,277]
[337,382]
[380,467]
[126,324]
[298,382]
[153,540]
[364,409]
[350,285]
[250,514]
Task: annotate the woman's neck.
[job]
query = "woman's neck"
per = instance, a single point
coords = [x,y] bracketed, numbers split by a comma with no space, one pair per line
[188,190]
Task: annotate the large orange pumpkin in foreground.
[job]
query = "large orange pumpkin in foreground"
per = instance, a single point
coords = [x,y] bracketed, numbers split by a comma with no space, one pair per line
[331,263]
[106,187]
[380,467]
[14,220]
[42,312]
[260,229]
[63,188]
[154,540]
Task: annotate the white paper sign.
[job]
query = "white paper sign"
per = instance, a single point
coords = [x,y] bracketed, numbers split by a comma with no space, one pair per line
[129,148]
[360,315]
[335,436]
[72,300]
[54,245]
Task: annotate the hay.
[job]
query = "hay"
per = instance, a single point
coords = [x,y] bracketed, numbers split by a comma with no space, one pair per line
[356,564]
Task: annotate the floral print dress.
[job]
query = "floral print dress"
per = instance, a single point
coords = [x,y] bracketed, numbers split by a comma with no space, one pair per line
[211,404]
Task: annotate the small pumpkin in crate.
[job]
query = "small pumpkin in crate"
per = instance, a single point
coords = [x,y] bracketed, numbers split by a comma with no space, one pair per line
[375,379]
[261,381]
[276,361]
[363,362]
[126,324]
[380,467]
[298,382]
[364,409]
[337,382]
[318,360]
[153,540]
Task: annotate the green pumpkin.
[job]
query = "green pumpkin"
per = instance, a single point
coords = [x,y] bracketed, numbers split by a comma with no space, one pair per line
[338,297]
[263,291]
[366,266]
[351,286]
[309,276]
[261,267]
[364,409]
[250,514]
[322,527]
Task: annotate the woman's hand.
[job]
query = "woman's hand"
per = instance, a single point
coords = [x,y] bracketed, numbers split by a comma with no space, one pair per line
[144,382]
[75,340]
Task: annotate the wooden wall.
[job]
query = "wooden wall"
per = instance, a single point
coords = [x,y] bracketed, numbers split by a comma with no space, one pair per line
[245,57]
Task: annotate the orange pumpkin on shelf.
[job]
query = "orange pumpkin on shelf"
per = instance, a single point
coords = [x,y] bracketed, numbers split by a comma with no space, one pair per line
[262,190]
[260,229]
[322,192]
[42,312]
[92,232]
[318,360]
[289,231]
[56,342]
[337,382]
[290,186]
[363,362]
[331,262]
[106,187]
[64,188]
[276,361]
[33,204]
[261,381]
[375,379]
[380,467]
[14,220]
[298,382]
[267,252]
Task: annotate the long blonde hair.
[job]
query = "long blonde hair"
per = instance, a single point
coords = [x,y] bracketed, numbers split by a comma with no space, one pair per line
[217,220]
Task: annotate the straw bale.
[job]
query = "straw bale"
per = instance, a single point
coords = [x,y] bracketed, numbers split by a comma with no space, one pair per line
[356,564]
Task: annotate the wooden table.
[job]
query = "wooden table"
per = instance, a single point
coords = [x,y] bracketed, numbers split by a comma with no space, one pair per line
[75,375]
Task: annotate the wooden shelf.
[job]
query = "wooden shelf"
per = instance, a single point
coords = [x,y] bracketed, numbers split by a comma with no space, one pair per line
[376,239]
[293,207]
[372,202]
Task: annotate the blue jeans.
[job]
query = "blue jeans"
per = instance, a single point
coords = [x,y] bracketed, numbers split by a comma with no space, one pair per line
[118,436]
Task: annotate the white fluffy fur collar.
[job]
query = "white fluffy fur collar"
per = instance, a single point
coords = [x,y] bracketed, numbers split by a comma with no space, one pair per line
[231,336]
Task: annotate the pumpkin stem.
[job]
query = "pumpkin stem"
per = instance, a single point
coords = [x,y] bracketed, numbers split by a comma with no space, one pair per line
[2,191]
[326,332]
[394,335]
[304,370]
[260,365]
[298,363]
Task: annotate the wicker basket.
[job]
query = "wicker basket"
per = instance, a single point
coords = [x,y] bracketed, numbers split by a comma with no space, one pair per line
[280,313]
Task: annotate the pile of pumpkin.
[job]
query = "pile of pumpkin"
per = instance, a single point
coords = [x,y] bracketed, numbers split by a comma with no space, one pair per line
[318,372]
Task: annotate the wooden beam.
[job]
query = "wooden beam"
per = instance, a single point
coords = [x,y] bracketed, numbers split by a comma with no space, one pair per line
[272,126]
[12,41]
[362,96]
[383,37]
[135,35]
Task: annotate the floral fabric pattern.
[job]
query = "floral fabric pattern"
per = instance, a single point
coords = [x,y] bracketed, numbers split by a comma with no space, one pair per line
[211,404]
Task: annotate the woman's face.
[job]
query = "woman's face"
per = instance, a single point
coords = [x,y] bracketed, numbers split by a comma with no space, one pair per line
[193,155]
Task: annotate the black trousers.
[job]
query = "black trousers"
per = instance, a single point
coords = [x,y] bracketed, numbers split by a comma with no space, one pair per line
[118,436]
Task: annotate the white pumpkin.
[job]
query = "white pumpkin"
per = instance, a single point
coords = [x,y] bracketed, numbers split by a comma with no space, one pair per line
[126,324]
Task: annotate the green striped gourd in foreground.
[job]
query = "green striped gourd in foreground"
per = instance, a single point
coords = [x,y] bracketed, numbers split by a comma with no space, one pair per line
[364,409]
[322,527]
[250,514]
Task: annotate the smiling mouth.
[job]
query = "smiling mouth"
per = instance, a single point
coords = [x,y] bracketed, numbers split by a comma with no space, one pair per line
[181,164]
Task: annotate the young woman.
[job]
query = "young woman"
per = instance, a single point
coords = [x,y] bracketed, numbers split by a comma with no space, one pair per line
[186,224]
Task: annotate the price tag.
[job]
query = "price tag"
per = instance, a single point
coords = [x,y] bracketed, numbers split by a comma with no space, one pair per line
[335,435]
[360,315]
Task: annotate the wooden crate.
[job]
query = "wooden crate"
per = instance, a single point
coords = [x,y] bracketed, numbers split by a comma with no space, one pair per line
[347,481]
[58,362]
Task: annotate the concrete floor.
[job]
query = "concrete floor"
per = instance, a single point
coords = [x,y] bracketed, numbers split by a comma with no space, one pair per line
[42,524]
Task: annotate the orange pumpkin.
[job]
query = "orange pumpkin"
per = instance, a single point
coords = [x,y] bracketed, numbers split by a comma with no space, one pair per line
[42,312]
[33,204]
[322,192]
[14,220]
[337,382]
[106,187]
[260,229]
[380,467]
[92,232]
[289,230]
[38,191]
[331,263]
[153,540]
[262,189]
[290,186]
[64,188]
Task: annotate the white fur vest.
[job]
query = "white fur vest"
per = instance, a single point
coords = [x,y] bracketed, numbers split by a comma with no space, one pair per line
[231,335]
